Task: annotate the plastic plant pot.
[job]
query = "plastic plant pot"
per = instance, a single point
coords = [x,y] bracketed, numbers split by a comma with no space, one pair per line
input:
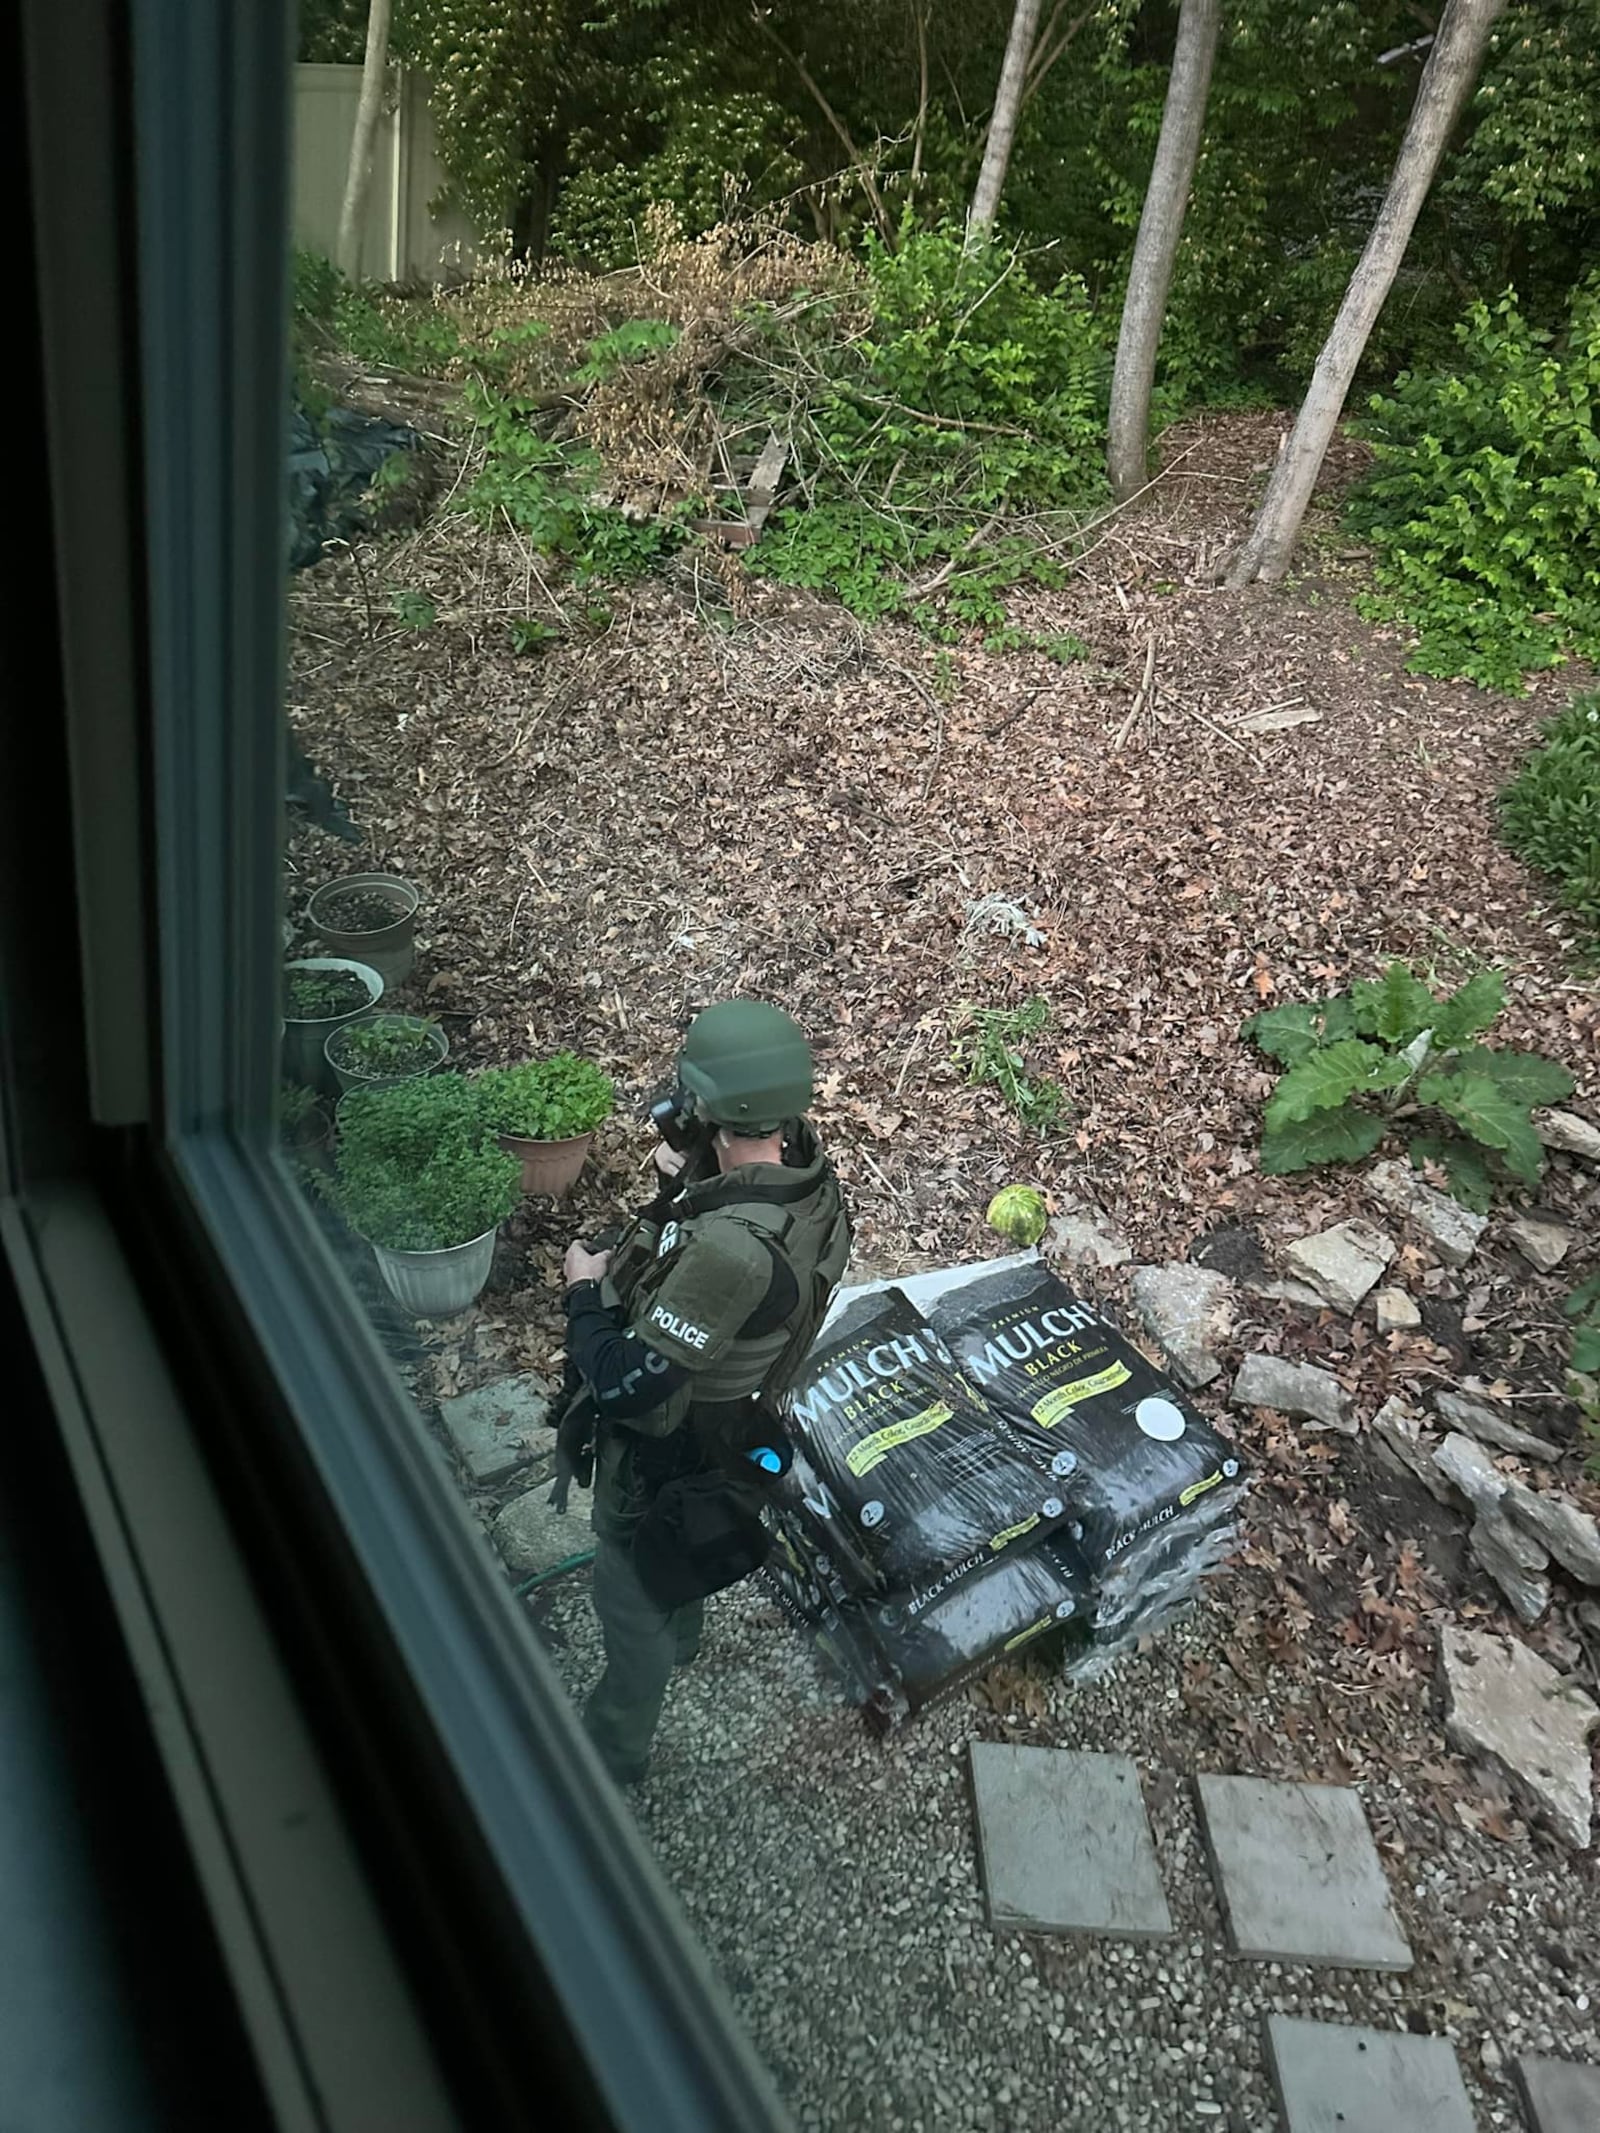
[305,1038]
[549,1166]
[348,915]
[350,1074]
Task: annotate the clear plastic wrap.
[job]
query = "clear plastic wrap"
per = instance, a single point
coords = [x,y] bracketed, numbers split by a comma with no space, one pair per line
[1062,1379]
[919,1485]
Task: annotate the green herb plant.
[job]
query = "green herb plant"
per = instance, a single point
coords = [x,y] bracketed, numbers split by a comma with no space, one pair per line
[551,1099]
[417,1169]
[319,995]
[297,1108]
[387,1044]
[991,1050]
[1390,1056]
[413,610]
[1550,812]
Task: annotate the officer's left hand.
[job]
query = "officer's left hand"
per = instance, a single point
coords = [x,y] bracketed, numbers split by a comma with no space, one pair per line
[581,1264]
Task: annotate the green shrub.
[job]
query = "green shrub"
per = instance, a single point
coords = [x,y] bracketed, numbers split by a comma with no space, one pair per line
[953,437]
[1484,504]
[385,1044]
[545,1099]
[1550,812]
[417,1168]
[1356,1061]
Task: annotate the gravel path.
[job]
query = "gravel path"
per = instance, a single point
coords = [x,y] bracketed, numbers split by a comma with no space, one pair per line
[834,1879]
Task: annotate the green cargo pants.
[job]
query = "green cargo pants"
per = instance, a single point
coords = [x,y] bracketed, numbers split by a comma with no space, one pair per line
[643,1642]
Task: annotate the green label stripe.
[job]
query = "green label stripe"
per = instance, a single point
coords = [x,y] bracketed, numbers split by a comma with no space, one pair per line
[1066,1397]
[1022,1636]
[1198,1488]
[873,1450]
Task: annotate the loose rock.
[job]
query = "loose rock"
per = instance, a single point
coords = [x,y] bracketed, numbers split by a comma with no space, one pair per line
[532,1536]
[1515,1561]
[1397,1312]
[1298,1390]
[1189,1313]
[1085,1238]
[1571,1535]
[1470,1471]
[1343,1263]
[1572,1135]
[1451,1229]
[1543,1244]
[1400,1444]
[1489,1428]
[1504,1702]
[500,1427]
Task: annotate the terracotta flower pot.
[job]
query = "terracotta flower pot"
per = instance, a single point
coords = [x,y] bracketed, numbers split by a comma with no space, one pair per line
[549,1166]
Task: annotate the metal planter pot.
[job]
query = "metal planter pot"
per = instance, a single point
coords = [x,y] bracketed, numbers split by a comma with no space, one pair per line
[438,1284]
[304,1054]
[389,948]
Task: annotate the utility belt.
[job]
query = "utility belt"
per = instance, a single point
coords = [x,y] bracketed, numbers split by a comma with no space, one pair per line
[701,1527]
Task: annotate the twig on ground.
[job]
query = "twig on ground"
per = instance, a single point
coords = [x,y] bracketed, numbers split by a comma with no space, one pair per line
[1141,695]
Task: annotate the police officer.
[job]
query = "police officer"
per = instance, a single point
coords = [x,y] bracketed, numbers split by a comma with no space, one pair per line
[682,1337]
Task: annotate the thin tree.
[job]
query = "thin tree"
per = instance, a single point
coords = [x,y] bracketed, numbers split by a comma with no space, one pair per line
[1447,82]
[359,177]
[1144,308]
[1003,122]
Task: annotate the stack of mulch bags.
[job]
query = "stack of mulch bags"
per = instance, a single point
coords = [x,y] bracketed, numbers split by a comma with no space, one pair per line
[980,1467]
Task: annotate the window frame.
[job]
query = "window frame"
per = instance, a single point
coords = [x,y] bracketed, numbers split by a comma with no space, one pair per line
[312,1614]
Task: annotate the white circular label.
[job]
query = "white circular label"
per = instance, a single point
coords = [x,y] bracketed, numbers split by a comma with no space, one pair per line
[1064,1609]
[1230,1467]
[1161,1420]
[1064,1463]
[872,1513]
[1051,1507]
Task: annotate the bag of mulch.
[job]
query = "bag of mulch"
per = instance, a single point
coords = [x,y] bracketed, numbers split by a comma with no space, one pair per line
[932,1654]
[925,1487]
[893,1662]
[1064,1381]
[1164,1569]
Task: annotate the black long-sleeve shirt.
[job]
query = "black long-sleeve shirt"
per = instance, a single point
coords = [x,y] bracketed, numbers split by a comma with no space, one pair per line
[624,1373]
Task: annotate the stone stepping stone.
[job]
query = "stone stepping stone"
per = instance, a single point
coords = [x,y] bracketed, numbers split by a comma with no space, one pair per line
[1333,2079]
[1559,2095]
[1299,1875]
[500,1428]
[1064,1843]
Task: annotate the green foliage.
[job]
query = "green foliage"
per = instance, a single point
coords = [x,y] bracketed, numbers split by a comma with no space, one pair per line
[545,1099]
[297,1107]
[1484,503]
[543,489]
[413,609]
[528,634]
[319,995]
[385,1044]
[1391,1052]
[1550,812]
[627,343]
[417,1169]
[991,1049]
[1583,1308]
[955,439]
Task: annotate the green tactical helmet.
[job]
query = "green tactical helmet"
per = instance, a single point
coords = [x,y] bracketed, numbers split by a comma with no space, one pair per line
[747,1065]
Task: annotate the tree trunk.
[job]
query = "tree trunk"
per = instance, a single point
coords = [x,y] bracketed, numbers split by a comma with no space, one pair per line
[1144,308]
[359,177]
[1446,83]
[1003,122]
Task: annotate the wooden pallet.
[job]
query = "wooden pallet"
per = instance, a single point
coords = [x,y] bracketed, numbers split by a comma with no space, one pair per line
[746,492]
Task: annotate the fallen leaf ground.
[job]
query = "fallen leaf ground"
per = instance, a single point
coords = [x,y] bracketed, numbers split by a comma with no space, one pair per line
[727,789]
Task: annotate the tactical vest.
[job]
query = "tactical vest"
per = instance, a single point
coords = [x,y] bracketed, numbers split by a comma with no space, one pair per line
[795,1213]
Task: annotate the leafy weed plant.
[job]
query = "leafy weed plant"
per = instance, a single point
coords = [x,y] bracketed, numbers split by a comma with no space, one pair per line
[991,1049]
[1391,1056]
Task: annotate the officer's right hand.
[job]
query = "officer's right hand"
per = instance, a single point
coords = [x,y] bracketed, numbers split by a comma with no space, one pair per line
[670,1161]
